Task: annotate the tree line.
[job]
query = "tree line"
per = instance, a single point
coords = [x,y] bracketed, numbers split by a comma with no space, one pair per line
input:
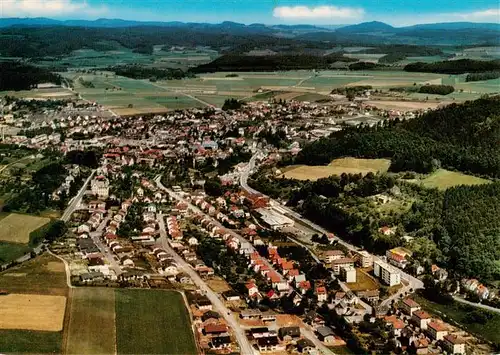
[437,138]
[18,76]
[460,66]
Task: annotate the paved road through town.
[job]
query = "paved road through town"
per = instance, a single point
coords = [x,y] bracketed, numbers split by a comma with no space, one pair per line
[75,202]
[108,254]
[245,346]
[412,281]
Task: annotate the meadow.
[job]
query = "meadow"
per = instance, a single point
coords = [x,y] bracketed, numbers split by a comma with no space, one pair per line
[152,322]
[363,282]
[91,307]
[16,228]
[443,179]
[337,167]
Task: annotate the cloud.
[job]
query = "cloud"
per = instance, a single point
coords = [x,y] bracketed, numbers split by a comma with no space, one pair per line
[489,15]
[331,13]
[52,8]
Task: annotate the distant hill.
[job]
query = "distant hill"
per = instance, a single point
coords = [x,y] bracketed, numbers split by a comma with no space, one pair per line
[367,27]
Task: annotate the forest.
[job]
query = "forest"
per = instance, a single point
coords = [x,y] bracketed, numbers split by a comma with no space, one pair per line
[483,76]
[438,138]
[238,63]
[153,74]
[460,66]
[18,76]
[436,89]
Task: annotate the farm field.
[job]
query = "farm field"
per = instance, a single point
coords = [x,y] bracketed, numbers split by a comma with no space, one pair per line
[144,320]
[337,167]
[117,93]
[443,179]
[43,275]
[91,307]
[12,251]
[32,312]
[16,228]
[32,342]
[403,105]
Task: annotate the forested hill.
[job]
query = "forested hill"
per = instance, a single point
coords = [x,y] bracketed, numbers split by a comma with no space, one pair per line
[464,137]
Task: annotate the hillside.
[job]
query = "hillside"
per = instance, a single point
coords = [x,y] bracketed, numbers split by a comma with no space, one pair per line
[463,137]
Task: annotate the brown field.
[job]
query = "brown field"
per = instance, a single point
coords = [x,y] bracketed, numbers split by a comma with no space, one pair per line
[40,275]
[288,320]
[403,105]
[337,167]
[16,228]
[32,312]
[218,285]
[363,282]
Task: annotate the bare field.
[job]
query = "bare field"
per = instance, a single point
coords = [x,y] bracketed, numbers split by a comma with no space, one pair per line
[218,285]
[32,312]
[337,167]
[403,105]
[363,282]
[16,228]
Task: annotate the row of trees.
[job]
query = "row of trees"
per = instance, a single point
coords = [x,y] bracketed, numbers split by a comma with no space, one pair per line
[436,89]
[153,74]
[460,66]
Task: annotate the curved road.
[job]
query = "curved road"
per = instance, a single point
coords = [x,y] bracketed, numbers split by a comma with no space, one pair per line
[412,281]
[478,305]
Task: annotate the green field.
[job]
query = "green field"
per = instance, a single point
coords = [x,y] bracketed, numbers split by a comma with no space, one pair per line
[91,307]
[457,312]
[26,341]
[443,179]
[152,322]
[12,251]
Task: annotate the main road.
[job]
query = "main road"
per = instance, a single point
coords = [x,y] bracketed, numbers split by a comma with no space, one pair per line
[413,282]
[76,200]
[245,346]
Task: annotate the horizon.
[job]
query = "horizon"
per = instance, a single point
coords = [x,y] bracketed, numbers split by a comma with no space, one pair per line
[396,13]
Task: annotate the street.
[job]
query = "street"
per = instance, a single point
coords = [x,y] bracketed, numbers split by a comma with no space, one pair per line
[245,346]
[75,201]
[413,282]
[107,253]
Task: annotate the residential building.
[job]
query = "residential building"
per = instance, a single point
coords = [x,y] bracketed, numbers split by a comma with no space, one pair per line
[421,319]
[337,264]
[363,258]
[326,334]
[409,306]
[348,273]
[100,187]
[398,256]
[454,344]
[331,255]
[387,273]
[437,331]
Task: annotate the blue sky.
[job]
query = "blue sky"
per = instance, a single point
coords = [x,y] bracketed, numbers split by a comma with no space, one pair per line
[395,12]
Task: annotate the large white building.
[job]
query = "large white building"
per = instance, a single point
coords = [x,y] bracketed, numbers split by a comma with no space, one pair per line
[273,219]
[348,273]
[387,273]
[100,187]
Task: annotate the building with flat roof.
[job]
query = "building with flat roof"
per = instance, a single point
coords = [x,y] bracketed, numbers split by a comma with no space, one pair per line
[387,273]
[273,219]
[348,273]
[363,258]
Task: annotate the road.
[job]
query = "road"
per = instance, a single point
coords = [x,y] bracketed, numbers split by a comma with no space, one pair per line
[478,305]
[108,254]
[214,221]
[75,201]
[412,281]
[183,93]
[245,346]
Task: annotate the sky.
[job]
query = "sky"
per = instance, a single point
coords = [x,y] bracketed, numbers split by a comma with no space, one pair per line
[316,12]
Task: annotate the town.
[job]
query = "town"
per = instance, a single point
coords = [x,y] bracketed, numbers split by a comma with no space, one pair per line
[170,201]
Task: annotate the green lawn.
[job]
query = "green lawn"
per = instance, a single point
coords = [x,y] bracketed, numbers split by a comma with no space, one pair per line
[457,312]
[443,179]
[152,322]
[27,341]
